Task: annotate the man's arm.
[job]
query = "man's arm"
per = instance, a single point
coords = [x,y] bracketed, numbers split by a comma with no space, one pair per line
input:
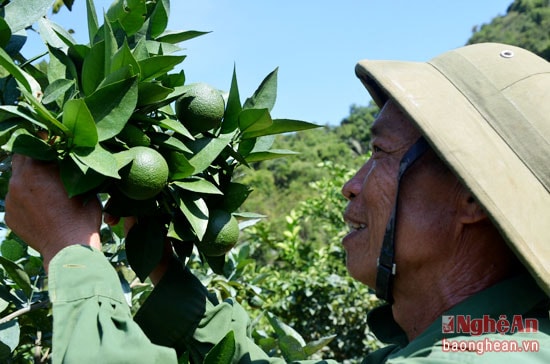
[92,321]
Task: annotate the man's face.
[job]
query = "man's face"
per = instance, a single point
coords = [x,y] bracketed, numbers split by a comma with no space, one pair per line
[424,205]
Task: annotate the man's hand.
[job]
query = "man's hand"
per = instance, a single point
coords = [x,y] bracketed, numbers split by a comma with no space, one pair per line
[40,212]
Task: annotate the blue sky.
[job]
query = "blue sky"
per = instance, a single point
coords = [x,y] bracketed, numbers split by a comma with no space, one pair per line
[315,44]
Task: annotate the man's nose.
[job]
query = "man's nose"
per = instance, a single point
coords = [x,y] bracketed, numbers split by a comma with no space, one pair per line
[352,187]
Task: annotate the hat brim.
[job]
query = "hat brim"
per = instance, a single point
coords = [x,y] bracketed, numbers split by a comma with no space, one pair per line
[516,201]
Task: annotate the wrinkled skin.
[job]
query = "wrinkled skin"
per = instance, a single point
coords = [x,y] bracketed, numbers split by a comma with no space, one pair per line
[39,211]
[446,248]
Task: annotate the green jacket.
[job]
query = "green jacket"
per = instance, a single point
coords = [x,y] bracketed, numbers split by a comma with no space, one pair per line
[92,322]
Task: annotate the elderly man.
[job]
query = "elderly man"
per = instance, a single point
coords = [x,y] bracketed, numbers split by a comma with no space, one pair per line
[448,221]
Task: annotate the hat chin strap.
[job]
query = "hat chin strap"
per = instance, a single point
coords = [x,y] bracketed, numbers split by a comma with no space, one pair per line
[386,267]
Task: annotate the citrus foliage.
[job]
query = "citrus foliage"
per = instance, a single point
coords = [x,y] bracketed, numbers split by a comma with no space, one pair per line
[104,112]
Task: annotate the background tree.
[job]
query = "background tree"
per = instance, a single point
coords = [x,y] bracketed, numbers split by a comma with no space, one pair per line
[525,24]
[290,266]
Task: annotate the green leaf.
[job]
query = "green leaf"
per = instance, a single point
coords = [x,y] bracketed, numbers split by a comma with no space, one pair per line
[12,111]
[206,150]
[216,263]
[175,37]
[314,346]
[93,24]
[7,128]
[179,166]
[111,45]
[169,142]
[5,33]
[264,97]
[173,80]
[252,120]
[46,118]
[159,18]
[145,245]
[122,58]
[223,351]
[79,120]
[28,83]
[151,92]
[18,275]
[130,13]
[13,250]
[97,159]
[281,329]
[75,180]
[194,209]
[5,351]
[93,68]
[198,185]
[56,90]
[234,196]
[23,142]
[176,126]
[20,14]
[10,333]
[267,155]
[233,107]
[291,349]
[112,105]
[279,126]
[54,35]
[158,65]
[160,48]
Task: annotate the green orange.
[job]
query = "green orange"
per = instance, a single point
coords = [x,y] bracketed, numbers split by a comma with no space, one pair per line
[222,233]
[200,108]
[145,176]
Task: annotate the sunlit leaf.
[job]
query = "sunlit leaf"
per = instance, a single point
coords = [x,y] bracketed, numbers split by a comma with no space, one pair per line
[78,119]
[76,181]
[252,120]
[23,142]
[21,14]
[158,65]
[233,106]
[130,14]
[279,126]
[194,209]
[198,185]
[178,37]
[159,18]
[265,95]
[18,275]
[112,105]
[223,351]
[97,159]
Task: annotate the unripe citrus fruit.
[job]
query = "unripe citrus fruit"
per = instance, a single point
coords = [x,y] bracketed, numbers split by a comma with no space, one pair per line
[221,234]
[134,136]
[201,108]
[145,176]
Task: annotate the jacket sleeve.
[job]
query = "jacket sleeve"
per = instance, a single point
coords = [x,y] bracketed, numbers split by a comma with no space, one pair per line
[92,321]
[180,313]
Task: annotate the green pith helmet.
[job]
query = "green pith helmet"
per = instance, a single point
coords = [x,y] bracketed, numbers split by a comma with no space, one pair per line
[485,109]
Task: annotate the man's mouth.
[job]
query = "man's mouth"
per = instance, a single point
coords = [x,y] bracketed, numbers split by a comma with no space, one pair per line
[354,226]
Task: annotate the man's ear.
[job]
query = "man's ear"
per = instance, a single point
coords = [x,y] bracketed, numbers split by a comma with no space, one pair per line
[470,210]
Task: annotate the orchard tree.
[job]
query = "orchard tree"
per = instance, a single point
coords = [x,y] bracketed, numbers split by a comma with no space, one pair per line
[119,120]
[526,24]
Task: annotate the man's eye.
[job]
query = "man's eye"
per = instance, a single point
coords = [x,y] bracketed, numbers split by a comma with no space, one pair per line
[375,148]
